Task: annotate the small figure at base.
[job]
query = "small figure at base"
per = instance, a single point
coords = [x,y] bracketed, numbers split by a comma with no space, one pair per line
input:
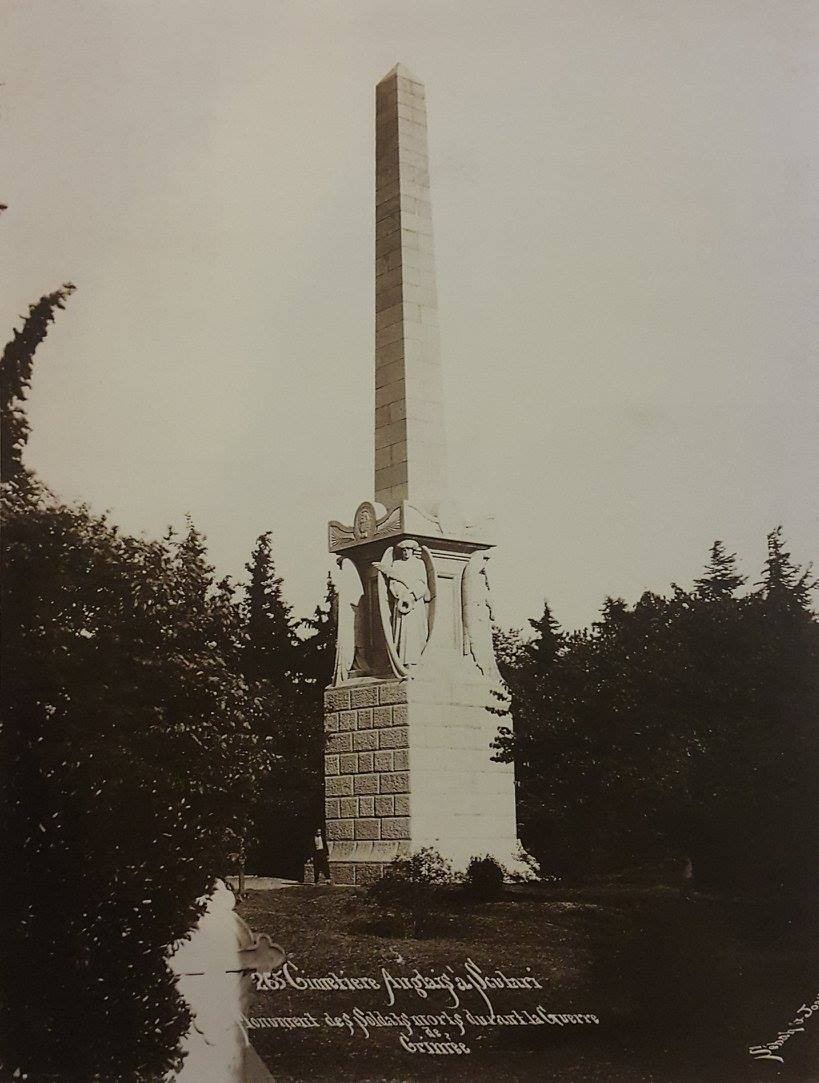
[321,858]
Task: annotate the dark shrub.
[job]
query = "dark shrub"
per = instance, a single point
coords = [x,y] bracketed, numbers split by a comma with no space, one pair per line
[484,878]
[412,889]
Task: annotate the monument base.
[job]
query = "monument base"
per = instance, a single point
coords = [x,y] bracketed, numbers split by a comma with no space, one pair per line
[352,869]
[408,764]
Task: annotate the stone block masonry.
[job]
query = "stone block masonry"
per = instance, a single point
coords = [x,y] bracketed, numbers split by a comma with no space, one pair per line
[410,453]
[418,772]
[366,775]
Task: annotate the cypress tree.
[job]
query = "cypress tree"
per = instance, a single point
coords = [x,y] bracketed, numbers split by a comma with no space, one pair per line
[15,378]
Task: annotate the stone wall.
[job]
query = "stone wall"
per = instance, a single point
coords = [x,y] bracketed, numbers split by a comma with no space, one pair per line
[367,782]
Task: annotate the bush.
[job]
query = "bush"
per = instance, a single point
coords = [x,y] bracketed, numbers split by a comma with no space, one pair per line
[484,878]
[414,887]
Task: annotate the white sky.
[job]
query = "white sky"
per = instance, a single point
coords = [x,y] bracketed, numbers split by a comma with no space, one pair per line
[626,213]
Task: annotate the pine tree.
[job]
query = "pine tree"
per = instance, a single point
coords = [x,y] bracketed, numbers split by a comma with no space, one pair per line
[15,378]
[509,647]
[317,651]
[544,647]
[785,586]
[291,723]
[271,652]
[720,578]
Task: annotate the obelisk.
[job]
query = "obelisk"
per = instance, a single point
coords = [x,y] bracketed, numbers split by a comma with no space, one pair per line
[408,758]
[410,445]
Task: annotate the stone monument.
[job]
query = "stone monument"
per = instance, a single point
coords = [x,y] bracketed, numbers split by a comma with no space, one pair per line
[408,761]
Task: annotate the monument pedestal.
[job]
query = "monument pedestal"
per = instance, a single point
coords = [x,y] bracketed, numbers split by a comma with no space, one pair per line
[407,765]
[408,759]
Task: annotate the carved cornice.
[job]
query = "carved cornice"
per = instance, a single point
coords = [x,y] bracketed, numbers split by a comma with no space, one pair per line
[373,522]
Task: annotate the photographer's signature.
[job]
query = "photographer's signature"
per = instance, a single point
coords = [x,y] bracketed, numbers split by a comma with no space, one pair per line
[770,1051]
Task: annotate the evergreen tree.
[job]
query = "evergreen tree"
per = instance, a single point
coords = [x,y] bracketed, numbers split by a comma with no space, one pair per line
[542,650]
[534,703]
[317,650]
[271,652]
[785,738]
[285,677]
[15,378]
[720,578]
[785,586]
[508,645]
[684,723]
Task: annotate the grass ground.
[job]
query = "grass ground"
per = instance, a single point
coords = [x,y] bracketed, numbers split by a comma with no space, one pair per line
[681,988]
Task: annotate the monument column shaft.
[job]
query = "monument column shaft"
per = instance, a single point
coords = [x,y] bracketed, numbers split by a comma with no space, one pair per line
[410,445]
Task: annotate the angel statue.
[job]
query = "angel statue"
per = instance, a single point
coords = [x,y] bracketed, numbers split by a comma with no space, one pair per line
[406,577]
[476,602]
[351,635]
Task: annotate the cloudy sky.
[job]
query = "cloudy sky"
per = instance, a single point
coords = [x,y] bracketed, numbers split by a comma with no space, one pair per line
[626,212]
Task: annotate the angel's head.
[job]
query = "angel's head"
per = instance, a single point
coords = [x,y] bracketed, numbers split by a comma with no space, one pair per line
[406,549]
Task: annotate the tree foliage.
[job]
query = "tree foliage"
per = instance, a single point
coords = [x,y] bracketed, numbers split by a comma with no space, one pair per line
[129,747]
[720,578]
[271,651]
[684,723]
[130,752]
[317,649]
[290,674]
[15,378]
